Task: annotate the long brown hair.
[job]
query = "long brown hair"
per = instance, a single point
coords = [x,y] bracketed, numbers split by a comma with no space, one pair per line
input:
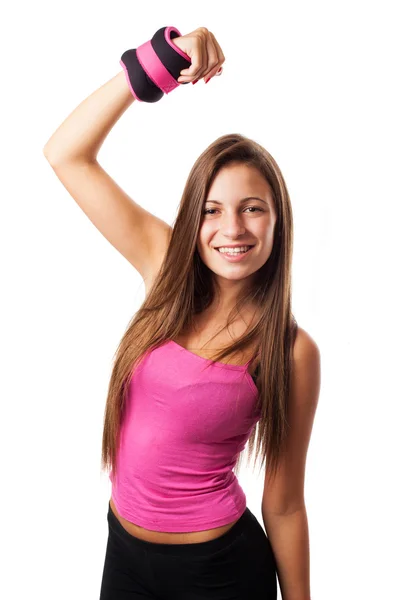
[185,287]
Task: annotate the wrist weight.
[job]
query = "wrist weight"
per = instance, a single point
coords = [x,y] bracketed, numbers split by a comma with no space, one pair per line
[153,68]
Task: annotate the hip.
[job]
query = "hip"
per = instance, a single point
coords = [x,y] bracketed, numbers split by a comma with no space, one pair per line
[162,537]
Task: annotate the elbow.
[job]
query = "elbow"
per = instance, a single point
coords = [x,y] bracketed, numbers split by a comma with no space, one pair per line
[272,509]
[47,154]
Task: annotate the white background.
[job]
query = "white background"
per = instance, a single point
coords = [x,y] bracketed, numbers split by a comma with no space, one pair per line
[322,86]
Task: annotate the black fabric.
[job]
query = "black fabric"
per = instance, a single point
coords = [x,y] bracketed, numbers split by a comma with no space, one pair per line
[142,85]
[239,564]
[171,59]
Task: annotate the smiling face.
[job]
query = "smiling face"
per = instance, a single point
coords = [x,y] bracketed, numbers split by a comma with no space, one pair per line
[239,209]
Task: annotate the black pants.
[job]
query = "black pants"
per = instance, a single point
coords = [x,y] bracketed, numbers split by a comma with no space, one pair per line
[238,565]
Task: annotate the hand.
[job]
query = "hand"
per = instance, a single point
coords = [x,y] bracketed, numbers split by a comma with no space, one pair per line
[205,54]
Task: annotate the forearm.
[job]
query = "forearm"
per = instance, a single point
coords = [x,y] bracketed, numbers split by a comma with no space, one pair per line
[82,133]
[289,538]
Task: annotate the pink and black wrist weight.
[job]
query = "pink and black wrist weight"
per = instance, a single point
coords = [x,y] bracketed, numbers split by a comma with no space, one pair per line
[153,68]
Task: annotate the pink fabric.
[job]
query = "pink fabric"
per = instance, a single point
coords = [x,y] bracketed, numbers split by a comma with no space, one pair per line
[155,69]
[182,431]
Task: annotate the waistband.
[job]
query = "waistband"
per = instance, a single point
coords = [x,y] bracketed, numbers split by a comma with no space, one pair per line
[196,549]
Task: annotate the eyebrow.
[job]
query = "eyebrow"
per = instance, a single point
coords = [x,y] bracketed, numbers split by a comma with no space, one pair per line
[242,200]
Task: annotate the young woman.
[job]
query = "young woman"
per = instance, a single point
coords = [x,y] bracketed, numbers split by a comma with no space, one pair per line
[212,357]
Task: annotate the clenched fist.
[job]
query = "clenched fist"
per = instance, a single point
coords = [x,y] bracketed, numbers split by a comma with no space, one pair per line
[204,52]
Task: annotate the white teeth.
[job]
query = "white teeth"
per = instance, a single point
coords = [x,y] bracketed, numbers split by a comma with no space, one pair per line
[234,250]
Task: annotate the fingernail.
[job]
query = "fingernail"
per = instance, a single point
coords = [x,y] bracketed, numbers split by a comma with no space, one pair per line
[207,80]
[194,82]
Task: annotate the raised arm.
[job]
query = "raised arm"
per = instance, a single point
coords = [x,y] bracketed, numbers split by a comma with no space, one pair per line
[141,237]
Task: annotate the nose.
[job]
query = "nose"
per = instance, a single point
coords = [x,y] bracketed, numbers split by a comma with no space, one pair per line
[232,226]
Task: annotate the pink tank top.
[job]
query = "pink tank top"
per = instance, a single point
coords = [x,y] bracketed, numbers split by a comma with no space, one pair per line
[181,434]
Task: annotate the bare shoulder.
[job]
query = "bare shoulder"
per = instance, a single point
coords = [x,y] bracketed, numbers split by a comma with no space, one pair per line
[306,376]
[305,347]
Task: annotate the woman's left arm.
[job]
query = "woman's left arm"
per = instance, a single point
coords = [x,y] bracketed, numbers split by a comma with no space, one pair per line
[283,505]
[289,538]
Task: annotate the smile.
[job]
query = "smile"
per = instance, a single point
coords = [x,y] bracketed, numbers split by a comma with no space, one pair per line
[234,256]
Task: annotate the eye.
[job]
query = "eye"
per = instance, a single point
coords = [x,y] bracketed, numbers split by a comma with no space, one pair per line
[255,208]
[206,211]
